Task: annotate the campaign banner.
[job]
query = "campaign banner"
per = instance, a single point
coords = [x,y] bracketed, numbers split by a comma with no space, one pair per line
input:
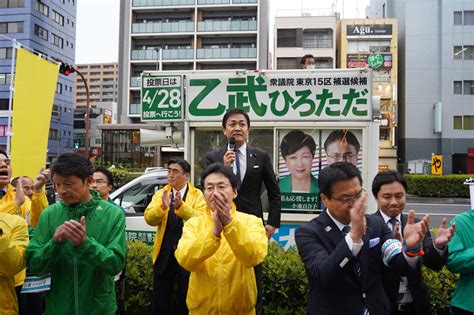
[281,95]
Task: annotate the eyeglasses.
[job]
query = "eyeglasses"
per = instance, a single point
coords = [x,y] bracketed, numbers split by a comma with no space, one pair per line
[349,200]
[6,161]
[339,157]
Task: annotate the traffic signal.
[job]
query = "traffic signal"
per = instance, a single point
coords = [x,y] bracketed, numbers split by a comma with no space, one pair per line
[66,69]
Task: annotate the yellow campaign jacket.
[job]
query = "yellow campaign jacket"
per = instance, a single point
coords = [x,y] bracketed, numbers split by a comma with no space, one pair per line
[155,216]
[222,278]
[13,242]
[34,207]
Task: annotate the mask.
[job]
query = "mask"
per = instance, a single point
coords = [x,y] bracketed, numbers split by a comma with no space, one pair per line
[310,66]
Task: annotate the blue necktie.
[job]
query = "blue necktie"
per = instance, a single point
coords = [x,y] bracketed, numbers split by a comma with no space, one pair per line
[346,229]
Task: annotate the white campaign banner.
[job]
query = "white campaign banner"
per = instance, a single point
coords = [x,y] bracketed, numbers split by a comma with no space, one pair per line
[315,95]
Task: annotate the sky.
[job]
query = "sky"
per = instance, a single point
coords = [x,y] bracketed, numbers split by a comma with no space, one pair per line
[97,33]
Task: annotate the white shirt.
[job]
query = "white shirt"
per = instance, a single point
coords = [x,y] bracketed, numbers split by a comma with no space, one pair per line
[386,218]
[182,191]
[354,247]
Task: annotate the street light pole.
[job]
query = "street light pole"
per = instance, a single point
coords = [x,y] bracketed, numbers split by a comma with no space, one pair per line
[87,138]
[159,59]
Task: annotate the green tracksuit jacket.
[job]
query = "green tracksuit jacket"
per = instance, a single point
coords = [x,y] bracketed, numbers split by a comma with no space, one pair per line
[82,278]
[461,260]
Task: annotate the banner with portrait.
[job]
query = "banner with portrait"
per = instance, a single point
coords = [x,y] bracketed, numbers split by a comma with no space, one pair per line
[303,153]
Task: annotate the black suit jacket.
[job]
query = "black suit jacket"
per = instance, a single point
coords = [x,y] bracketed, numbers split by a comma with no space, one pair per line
[432,259]
[259,171]
[335,286]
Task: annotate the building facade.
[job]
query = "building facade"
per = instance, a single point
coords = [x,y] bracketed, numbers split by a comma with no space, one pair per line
[102,80]
[48,28]
[436,85]
[297,36]
[373,43]
[187,35]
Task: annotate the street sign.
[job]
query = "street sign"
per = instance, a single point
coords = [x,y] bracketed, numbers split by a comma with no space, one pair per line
[437,165]
[162,98]
[375,61]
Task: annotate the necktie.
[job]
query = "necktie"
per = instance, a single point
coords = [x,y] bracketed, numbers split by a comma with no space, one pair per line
[393,222]
[346,229]
[237,166]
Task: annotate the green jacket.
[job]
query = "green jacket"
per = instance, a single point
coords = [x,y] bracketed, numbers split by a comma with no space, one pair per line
[82,278]
[285,185]
[461,260]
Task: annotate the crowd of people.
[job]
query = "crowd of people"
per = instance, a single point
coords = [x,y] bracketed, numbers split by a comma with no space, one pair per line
[210,242]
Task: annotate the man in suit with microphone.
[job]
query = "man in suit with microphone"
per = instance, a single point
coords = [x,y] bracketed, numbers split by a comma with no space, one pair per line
[253,168]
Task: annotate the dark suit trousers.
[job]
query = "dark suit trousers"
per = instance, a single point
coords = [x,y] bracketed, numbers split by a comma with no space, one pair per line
[258,278]
[163,287]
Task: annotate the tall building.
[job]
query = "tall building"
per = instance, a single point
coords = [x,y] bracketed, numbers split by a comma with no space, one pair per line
[436,80]
[187,35]
[373,43]
[102,80]
[49,28]
[296,36]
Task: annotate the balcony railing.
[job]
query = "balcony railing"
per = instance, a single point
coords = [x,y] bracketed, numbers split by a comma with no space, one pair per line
[159,3]
[168,54]
[213,1]
[227,26]
[226,53]
[134,109]
[135,82]
[163,27]
[243,1]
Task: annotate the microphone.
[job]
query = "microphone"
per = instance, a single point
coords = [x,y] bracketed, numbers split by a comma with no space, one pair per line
[232,145]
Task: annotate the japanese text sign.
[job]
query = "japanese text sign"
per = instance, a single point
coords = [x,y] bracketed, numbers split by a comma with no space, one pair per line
[281,95]
[162,98]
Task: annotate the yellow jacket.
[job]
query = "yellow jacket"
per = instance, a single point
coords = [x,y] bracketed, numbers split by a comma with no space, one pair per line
[222,278]
[155,216]
[13,242]
[34,207]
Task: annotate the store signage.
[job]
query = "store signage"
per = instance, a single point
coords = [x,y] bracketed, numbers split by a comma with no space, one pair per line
[376,61]
[369,31]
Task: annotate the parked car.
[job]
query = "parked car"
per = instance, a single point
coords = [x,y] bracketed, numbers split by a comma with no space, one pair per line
[134,197]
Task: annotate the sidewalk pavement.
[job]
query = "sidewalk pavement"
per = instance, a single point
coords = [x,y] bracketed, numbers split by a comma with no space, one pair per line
[441,200]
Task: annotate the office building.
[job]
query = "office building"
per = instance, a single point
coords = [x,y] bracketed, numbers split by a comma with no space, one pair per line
[436,80]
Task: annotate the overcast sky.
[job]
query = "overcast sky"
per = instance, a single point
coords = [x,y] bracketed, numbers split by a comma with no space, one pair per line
[98,23]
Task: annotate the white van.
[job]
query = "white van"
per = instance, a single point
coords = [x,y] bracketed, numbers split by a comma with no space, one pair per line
[134,197]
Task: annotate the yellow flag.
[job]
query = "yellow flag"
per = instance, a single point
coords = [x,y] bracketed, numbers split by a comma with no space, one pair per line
[35,86]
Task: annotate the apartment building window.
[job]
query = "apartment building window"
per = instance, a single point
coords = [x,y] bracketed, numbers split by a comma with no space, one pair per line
[42,8]
[291,37]
[287,63]
[95,67]
[53,134]
[457,52]
[41,32]
[58,18]
[468,88]
[95,73]
[5,78]
[458,87]
[12,4]
[463,52]
[58,41]
[468,17]
[6,53]
[457,17]
[457,122]
[108,73]
[4,103]
[59,88]
[11,27]
[468,122]
[317,38]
